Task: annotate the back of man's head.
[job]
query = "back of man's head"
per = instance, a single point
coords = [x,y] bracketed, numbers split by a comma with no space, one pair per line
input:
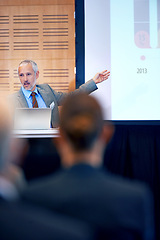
[81,121]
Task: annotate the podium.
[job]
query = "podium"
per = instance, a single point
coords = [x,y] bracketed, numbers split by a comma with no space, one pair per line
[36,133]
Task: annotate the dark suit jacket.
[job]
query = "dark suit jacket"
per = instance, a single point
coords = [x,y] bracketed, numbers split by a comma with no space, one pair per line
[26,222]
[50,96]
[107,202]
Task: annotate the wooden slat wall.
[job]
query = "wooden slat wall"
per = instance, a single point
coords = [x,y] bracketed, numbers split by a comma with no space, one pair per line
[36,2]
[43,31]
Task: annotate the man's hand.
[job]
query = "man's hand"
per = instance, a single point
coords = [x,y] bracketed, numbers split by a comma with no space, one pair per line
[102,76]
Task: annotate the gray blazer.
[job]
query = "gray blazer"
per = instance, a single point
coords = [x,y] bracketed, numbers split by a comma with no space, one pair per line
[50,96]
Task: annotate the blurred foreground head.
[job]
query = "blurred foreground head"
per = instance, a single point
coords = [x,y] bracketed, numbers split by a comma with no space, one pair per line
[83,133]
[5,130]
[11,148]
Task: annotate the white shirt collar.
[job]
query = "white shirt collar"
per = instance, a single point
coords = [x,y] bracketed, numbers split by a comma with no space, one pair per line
[27,93]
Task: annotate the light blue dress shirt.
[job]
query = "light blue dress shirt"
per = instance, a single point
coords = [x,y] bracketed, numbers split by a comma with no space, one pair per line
[40,101]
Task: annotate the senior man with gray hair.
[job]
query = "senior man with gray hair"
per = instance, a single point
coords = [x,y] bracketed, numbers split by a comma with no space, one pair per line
[44,96]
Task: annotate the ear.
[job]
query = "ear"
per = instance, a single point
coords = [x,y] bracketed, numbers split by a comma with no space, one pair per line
[107,132]
[37,74]
[60,142]
[64,150]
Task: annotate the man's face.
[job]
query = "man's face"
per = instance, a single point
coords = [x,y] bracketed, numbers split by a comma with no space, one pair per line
[28,77]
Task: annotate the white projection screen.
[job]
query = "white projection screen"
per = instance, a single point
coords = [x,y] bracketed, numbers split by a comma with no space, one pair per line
[124,37]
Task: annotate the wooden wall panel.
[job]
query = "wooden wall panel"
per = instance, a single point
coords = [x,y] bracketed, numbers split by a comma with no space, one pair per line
[35,2]
[45,34]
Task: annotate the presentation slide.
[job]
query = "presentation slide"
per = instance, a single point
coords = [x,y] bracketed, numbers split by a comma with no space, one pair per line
[124,37]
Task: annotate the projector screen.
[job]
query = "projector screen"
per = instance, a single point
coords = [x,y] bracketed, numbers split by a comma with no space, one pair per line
[124,37]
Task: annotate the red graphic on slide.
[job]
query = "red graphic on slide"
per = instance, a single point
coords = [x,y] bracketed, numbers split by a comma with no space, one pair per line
[142,39]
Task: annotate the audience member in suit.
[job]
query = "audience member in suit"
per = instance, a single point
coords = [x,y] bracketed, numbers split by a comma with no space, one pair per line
[24,221]
[118,208]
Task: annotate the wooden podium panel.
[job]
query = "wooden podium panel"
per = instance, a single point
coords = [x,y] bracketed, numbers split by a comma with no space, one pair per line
[44,33]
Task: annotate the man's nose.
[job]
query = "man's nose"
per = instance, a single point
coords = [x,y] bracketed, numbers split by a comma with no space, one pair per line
[25,77]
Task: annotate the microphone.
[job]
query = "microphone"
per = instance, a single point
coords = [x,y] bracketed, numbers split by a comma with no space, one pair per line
[52,105]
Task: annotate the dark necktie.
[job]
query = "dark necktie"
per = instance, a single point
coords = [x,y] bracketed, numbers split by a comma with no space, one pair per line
[34,101]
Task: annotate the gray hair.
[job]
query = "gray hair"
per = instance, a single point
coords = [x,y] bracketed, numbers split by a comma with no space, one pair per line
[34,64]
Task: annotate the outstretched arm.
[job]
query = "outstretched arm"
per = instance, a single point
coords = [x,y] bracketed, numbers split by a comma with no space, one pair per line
[101,76]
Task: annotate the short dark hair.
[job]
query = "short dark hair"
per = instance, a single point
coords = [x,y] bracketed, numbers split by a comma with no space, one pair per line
[81,120]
